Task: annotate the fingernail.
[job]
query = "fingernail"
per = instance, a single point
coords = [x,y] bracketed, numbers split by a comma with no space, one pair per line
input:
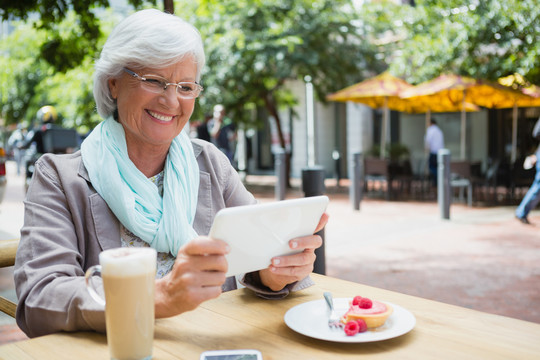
[227,248]
[294,245]
[276,261]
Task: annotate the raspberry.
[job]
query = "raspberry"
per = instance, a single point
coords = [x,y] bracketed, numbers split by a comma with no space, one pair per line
[365,303]
[356,300]
[351,328]
[362,327]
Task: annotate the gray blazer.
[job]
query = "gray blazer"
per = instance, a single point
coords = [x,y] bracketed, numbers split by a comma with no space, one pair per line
[67,224]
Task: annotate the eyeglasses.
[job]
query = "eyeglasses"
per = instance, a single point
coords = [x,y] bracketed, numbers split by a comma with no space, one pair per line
[157,85]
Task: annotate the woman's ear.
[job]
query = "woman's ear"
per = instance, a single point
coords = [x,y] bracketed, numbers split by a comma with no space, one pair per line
[113,87]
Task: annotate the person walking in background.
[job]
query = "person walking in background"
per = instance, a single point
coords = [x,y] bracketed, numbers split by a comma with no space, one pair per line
[15,143]
[222,132]
[434,141]
[203,131]
[532,197]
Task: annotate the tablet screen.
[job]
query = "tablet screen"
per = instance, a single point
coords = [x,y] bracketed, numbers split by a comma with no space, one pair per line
[257,233]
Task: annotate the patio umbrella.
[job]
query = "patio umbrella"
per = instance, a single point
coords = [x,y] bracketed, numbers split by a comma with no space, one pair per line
[517,81]
[383,91]
[379,92]
[455,89]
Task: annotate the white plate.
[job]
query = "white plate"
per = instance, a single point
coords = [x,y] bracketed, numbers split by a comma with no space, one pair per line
[311,319]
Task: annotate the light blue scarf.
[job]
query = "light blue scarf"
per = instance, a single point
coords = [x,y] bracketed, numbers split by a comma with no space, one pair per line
[165,223]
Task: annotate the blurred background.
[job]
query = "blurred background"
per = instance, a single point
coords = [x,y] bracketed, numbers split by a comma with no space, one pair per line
[273,63]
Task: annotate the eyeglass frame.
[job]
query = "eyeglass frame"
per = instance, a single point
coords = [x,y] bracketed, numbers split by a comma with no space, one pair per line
[166,83]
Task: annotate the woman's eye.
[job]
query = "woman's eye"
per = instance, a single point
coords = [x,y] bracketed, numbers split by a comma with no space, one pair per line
[187,87]
[156,83]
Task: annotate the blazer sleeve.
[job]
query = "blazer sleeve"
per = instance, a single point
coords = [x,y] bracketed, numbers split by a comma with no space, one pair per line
[52,257]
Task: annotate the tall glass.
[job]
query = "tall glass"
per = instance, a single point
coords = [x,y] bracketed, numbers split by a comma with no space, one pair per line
[128,282]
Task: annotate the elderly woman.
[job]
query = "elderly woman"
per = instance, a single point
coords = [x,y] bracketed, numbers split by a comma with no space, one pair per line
[138,181]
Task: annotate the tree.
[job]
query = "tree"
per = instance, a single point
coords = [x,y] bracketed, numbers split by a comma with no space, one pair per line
[482,39]
[65,50]
[48,59]
[29,82]
[254,48]
[20,72]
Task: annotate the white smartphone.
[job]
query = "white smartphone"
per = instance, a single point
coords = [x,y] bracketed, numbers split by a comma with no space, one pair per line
[240,354]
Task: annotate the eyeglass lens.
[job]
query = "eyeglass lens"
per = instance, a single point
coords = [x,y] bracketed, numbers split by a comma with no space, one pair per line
[157,84]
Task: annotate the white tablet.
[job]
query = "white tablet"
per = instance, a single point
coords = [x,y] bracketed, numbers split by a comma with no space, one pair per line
[257,233]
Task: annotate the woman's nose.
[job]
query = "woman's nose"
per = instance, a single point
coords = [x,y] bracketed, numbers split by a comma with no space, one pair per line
[170,97]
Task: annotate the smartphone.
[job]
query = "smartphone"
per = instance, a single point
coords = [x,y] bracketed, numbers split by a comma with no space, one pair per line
[240,354]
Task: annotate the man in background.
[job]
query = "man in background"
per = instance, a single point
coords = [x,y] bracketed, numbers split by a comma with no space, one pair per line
[434,141]
[222,132]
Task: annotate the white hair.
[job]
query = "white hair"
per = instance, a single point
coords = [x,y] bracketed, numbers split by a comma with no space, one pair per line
[148,38]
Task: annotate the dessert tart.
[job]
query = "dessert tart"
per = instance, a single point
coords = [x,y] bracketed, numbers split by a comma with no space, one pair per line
[374,313]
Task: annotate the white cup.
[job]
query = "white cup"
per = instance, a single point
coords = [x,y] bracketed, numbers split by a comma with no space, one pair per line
[129,283]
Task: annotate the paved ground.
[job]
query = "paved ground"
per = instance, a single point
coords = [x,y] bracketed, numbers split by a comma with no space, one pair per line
[482,258]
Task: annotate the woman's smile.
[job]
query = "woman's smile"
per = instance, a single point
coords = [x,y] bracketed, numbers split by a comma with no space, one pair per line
[164,118]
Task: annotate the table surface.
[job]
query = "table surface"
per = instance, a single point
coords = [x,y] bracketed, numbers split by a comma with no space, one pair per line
[240,320]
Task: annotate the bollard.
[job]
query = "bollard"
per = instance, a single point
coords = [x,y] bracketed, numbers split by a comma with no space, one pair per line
[443,182]
[357,181]
[313,185]
[336,156]
[281,174]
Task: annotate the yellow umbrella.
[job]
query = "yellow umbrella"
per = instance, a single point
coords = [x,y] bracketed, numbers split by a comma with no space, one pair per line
[516,81]
[381,91]
[454,89]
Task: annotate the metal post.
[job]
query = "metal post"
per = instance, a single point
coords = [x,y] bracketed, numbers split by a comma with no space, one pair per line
[241,152]
[357,182]
[313,185]
[337,162]
[280,169]
[310,121]
[443,182]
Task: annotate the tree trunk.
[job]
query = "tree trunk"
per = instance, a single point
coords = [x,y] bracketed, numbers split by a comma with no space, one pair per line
[168,6]
[272,110]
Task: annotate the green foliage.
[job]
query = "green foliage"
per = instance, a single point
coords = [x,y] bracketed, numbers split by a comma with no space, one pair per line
[394,151]
[482,39]
[21,70]
[254,48]
[29,82]
[63,49]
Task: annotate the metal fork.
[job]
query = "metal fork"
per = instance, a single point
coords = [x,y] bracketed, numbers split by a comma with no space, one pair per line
[333,319]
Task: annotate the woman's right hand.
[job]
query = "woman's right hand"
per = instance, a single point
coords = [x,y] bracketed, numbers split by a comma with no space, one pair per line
[197,276]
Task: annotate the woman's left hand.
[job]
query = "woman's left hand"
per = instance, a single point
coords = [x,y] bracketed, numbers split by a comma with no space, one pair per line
[285,270]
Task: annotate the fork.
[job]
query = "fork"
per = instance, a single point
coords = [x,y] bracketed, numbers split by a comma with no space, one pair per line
[333,319]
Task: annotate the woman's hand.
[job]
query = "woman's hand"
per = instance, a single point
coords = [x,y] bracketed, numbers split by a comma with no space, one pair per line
[285,270]
[197,276]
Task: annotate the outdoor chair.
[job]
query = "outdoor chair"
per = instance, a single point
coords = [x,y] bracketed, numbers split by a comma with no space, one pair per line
[402,174]
[377,173]
[486,187]
[421,182]
[460,177]
[8,249]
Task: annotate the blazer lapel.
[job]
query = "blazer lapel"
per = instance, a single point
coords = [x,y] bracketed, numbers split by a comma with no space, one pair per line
[106,225]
